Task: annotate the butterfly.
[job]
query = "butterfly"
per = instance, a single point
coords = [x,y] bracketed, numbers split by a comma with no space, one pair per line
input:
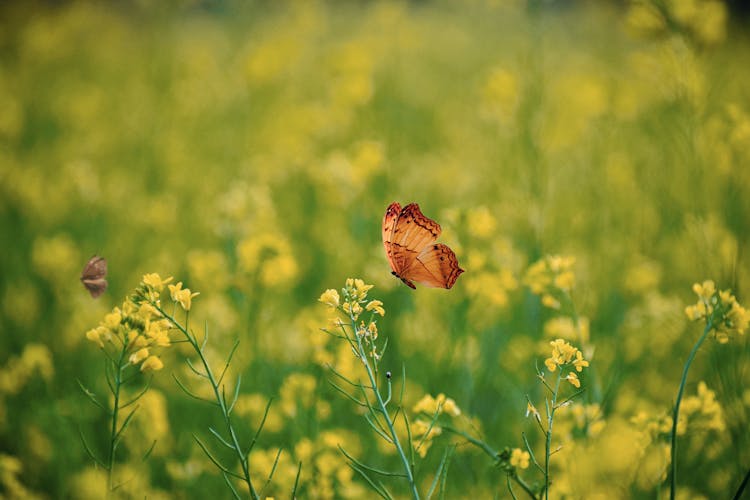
[93,275]
[409,240]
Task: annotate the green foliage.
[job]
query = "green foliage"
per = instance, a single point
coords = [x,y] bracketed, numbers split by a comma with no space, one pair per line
[251,149]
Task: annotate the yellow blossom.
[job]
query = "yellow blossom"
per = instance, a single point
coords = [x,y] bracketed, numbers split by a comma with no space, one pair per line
[519,458]
[138,356]
[720,309]
[330,297]
[155,282]
[563,354]
[152,363]
[113,319]
[377,306]
[182,295]
[579,362]
[531,410]
[99,335]
[353,308]
[573,379]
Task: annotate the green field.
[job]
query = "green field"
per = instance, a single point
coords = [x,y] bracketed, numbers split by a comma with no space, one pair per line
[250,149]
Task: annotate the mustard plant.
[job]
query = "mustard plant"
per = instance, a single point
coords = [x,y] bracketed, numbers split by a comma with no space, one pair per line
[724,318]
[376,395]
[127,337]
[149,294]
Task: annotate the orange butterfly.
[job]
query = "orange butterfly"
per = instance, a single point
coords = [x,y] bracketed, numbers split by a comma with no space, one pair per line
[409,240]
[93,275]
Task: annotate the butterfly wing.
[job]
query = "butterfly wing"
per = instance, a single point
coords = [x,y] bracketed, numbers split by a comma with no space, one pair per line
[95,268]
[436,266]
[406,232]
[93,275]
[96,287]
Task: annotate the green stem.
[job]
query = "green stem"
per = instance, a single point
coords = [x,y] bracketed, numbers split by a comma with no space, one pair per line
[220,400]
[492,453]
[115,414]
[384,410]
[548,441]
[676,413]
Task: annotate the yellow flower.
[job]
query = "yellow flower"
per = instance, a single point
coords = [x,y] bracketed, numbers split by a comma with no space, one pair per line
[182,295]
[705,290]
[155,282]
[451,408]
[138,356]
[519,458]
[99,335]
[579,362]
[562,354]
[573,379]
[551,364]
[330,297]
[551,302]
[531,410]
[152,363]
[377,306]
[720,309]
[357,288]
[113,319]
[353,308]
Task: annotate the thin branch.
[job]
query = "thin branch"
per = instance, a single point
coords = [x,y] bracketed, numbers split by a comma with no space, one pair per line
[231,486]
[194,369]
[140,394]
[260,427]
[215,461]
[148,452]
[378,489]
[229,360]
[296,481]
[273,470]
[347,395]
[91,396]
[221,439]
[89,452]
[367,467]
[192,394]
[236,394]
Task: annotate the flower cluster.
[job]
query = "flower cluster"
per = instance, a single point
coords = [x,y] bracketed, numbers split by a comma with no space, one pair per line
[701,412]
[519,458]
[137,326]
[704,21]
[550,277]
[511,459]
[355,302]
[435,406]
[720,309]
[564,354]
[425,427]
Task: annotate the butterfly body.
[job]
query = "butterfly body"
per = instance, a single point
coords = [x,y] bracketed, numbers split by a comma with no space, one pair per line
[93,276]
[409,241]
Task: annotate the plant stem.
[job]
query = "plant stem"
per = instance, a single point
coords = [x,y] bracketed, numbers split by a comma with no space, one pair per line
[115,413]
[220,400]
[384,410]
[548,441]
[492,453]
[676,413]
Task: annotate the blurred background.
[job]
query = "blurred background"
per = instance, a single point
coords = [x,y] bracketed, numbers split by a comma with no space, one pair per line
[250,150]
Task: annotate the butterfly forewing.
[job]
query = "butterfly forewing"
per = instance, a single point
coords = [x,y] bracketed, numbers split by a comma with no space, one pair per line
[93,275]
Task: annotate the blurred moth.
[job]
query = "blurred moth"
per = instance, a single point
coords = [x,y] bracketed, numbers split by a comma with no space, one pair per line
[93,275]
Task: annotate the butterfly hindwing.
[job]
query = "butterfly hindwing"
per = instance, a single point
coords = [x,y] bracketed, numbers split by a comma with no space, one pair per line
[436,266]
